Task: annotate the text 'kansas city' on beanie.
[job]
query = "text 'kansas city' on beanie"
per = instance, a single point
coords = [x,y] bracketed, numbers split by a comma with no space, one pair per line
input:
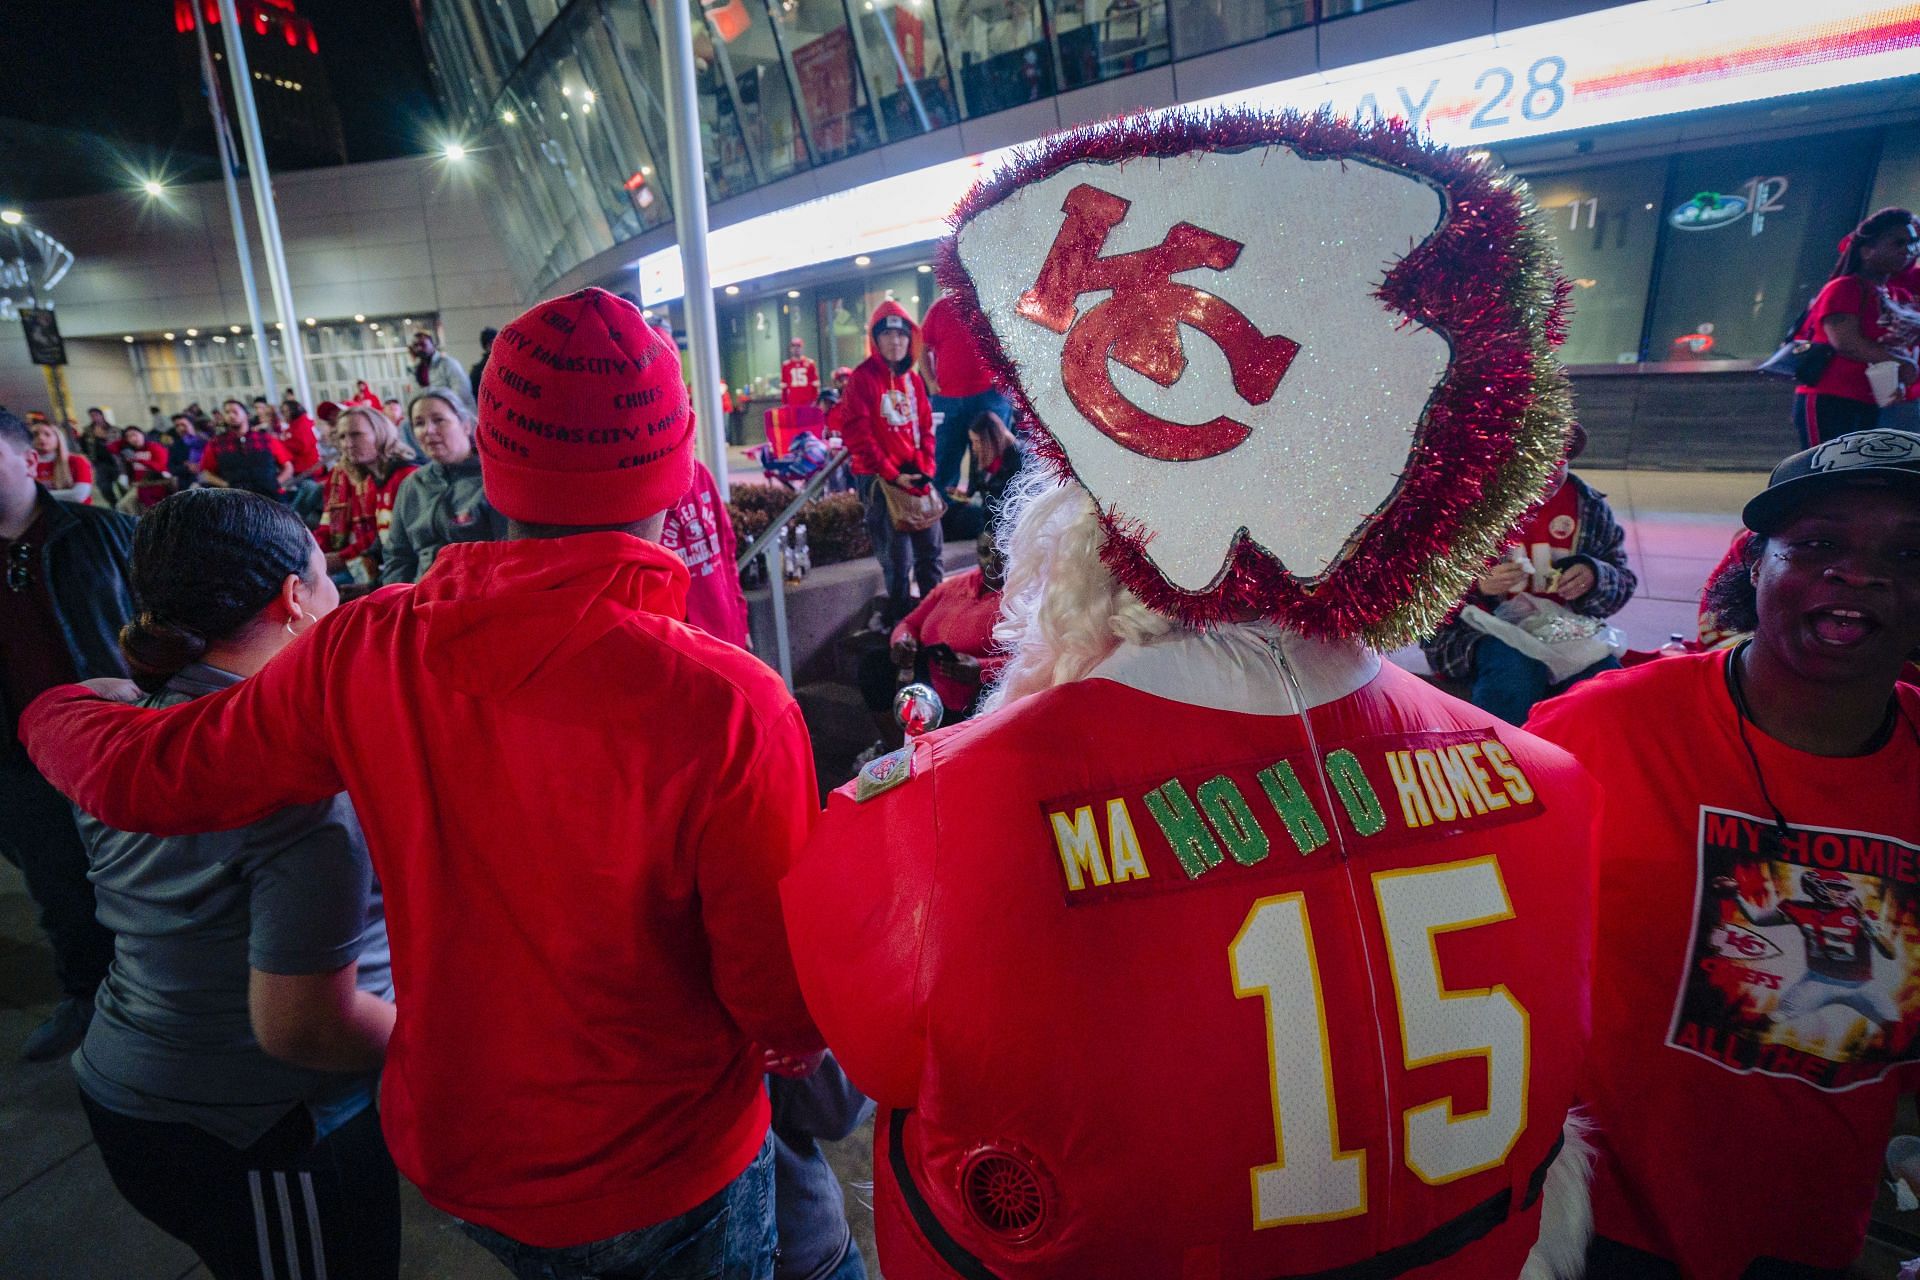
[583,417]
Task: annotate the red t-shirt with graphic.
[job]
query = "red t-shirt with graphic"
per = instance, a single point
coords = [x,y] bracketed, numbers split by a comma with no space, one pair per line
[79,470]
[1099,954]
[1551,534]
[799,381]
[1756,1000]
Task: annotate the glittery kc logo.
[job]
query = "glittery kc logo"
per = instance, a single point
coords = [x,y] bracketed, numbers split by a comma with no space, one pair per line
[1139,325]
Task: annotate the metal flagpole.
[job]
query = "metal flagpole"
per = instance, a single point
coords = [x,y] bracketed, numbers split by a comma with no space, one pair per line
[262,183]
[224,140]
[688,170]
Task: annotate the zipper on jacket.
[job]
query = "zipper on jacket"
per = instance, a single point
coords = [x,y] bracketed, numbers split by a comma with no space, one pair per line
[1374,964]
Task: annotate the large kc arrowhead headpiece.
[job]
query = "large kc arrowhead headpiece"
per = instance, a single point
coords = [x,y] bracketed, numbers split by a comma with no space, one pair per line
[1303,365]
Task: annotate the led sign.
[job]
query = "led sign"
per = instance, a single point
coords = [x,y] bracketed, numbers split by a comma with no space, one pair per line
[1631,62]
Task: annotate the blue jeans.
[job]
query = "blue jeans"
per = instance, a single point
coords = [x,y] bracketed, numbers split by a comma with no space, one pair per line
[729,1237]
[950,437]
[1508,682]
[897,551]
[852,1267]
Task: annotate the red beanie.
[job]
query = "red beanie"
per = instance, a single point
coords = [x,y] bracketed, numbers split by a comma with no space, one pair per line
[583,417]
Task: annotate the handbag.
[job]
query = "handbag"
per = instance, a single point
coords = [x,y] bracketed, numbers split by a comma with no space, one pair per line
[912,512]
[1802,359]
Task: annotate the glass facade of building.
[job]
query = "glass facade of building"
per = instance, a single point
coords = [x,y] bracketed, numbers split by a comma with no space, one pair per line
[566,95]
[1696,254]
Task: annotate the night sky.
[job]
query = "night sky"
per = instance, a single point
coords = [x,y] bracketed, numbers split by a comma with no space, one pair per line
[108,68]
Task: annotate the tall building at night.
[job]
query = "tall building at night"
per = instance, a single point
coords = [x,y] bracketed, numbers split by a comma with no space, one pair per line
[298,117]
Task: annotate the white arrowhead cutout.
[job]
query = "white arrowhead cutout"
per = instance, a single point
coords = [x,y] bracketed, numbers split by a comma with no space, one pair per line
[1326,452]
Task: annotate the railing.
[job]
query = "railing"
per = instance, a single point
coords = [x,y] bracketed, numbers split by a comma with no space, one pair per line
[768,547]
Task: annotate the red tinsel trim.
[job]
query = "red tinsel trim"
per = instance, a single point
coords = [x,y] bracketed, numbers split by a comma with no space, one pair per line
[1484,279]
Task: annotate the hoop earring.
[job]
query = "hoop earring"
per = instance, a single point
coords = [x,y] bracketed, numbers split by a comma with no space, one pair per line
[290,631]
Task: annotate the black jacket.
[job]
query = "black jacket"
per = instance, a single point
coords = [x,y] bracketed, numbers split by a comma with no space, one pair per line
[85,564]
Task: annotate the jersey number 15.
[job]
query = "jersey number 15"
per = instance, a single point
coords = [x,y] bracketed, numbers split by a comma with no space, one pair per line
[1314,1179]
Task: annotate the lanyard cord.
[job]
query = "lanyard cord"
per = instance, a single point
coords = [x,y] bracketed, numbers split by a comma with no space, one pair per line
[1741,715]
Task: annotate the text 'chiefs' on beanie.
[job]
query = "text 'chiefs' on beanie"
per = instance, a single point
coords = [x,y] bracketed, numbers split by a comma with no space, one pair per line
[583,417]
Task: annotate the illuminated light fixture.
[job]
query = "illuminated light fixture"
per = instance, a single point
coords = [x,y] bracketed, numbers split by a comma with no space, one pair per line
[311,322]
[167,336]
[359,319]
[586,108]
[374,325]
[189,341]
[587,97]
[508,117]
[153,187]
[233,328]
[732,290]
[193,333]
[924,269]
[220,337]
[406,320]
[793,293]
[280,324]
[565,116]
[12,217]
[646,171]
[455,151]
[863,261]
[566,91]
[128,338]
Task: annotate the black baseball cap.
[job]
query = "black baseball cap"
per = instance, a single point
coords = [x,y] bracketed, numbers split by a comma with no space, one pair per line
[1880,457]
[892,321]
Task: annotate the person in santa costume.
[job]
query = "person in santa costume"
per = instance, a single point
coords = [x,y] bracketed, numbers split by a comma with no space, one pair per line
[579,808]
[1216,948]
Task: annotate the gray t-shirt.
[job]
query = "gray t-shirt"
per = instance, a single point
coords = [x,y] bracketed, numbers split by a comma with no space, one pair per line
[294,893]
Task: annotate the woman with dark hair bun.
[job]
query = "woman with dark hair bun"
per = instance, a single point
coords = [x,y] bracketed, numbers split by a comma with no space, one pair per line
[228,1074]
[1866,323]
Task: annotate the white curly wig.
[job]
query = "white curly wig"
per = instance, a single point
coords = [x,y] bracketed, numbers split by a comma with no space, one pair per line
[1061,611]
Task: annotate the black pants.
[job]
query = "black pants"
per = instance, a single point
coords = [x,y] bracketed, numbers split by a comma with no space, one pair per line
[286,1208]
[1611,1260]
[37,835]
[1820,418]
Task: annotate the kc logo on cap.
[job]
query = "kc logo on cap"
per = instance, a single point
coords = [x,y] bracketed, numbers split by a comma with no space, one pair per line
[583,417]
[1866,449]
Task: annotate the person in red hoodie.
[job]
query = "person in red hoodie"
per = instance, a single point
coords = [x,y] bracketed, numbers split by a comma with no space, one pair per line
[886,420]
[579,812]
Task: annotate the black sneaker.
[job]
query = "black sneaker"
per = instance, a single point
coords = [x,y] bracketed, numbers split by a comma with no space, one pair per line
[61,1033]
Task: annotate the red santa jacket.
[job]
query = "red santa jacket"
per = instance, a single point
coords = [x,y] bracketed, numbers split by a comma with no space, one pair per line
[580,887]
[1151,988]
[885,417]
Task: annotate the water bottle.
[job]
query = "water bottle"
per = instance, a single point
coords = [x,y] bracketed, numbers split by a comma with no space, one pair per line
[1676,646]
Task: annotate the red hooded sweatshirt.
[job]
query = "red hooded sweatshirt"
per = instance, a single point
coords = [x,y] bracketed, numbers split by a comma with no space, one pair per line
[579,808]
[885,417]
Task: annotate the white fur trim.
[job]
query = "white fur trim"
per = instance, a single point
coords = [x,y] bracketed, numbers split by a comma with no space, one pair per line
[1566,1208]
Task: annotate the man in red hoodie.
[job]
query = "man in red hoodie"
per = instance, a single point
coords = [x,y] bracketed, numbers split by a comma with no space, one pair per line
[579,808]
[886,420]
